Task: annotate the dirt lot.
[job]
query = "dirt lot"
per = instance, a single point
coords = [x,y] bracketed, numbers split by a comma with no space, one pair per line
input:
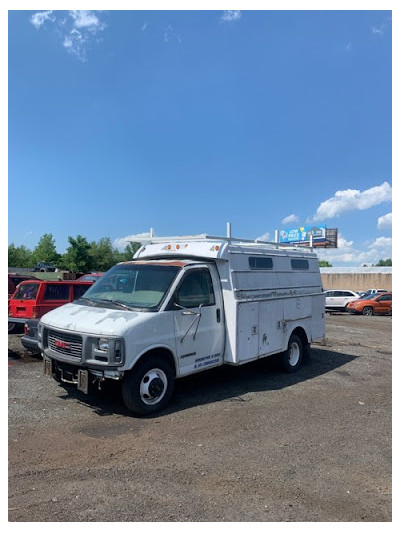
[236,444]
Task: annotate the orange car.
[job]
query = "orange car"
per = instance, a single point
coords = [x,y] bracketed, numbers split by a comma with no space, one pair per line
[370,305]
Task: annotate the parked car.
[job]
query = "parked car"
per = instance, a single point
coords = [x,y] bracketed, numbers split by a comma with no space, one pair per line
[34,298]
[370,292]
[44,266]
[93,276]
[29,339]
[338,299]
[14,279]
[377,304]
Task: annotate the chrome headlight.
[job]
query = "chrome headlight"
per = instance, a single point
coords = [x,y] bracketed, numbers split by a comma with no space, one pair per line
[103,344]
[118,351]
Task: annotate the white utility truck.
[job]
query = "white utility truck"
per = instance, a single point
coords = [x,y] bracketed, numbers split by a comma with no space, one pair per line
[183,305]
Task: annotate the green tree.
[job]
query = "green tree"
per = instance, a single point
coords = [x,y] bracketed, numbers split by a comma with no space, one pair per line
[45,249]
[324,263]
[20,256]
[131,249]
[77,257]
[128,253]
[103,254]
[384,263]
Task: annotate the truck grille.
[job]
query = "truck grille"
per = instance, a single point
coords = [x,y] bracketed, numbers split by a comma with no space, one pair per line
[65,343]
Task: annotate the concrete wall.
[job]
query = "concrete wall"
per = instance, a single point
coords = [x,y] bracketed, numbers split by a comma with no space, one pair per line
[357,281]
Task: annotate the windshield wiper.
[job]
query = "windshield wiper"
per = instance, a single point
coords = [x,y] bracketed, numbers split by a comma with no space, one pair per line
[115,302]
[88,300]
[121,304]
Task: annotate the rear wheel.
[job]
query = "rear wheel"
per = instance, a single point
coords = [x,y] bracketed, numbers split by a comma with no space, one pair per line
[148,387]
[368,311]
[292,358]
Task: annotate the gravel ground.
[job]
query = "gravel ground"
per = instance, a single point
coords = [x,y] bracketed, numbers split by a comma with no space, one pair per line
[236,444]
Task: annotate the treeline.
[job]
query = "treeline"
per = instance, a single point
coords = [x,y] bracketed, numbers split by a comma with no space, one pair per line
[80,256]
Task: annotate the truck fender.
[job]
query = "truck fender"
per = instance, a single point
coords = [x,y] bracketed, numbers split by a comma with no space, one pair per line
[157,349]
[301,332]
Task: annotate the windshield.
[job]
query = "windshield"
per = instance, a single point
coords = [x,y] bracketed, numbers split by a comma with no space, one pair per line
[27,291]
[133,285]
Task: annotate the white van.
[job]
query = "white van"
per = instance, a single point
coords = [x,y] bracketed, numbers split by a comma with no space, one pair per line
[337,300]
[184,305]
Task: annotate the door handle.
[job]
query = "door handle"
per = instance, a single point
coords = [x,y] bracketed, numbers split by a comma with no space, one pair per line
[218,315]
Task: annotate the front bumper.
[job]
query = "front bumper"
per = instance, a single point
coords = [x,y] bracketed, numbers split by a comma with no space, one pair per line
[76,375]
[30,344]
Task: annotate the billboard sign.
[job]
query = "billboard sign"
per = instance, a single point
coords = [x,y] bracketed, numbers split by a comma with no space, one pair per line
[303,234]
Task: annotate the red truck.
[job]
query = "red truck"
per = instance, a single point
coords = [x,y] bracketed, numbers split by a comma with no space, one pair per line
[14,278]
[34,298]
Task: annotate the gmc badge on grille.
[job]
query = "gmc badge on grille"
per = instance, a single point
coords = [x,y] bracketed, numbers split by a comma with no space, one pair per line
[62,344]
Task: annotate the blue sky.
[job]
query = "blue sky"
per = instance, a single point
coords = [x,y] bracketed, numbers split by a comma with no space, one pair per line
[183,120]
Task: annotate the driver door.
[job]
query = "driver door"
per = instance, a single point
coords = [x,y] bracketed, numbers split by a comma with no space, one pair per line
[198,321]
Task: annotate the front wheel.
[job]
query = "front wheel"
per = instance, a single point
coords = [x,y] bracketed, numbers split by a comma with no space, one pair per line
[292,358]
[147,388]
[368,311]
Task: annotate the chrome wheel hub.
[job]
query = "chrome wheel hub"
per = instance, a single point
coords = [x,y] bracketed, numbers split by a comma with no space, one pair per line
[153,386]
[294,354]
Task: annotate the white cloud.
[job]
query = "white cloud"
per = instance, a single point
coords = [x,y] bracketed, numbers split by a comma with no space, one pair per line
[86,19]
[382,242]
[121,242]
[351,199]
[38,19]
[78,31]
[264,237]
[85,27]
[290,219]
[385,222]
[346,253]
[229,16]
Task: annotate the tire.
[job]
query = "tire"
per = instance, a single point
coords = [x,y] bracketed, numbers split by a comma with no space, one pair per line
[148,387]
[14,327]
[292,358]
[368,311]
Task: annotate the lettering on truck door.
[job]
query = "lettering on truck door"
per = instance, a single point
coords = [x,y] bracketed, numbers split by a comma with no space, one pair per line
[198,322]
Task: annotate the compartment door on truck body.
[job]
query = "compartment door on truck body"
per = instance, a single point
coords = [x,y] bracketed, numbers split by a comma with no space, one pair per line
[198,321]
[271,337]
[258,330]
